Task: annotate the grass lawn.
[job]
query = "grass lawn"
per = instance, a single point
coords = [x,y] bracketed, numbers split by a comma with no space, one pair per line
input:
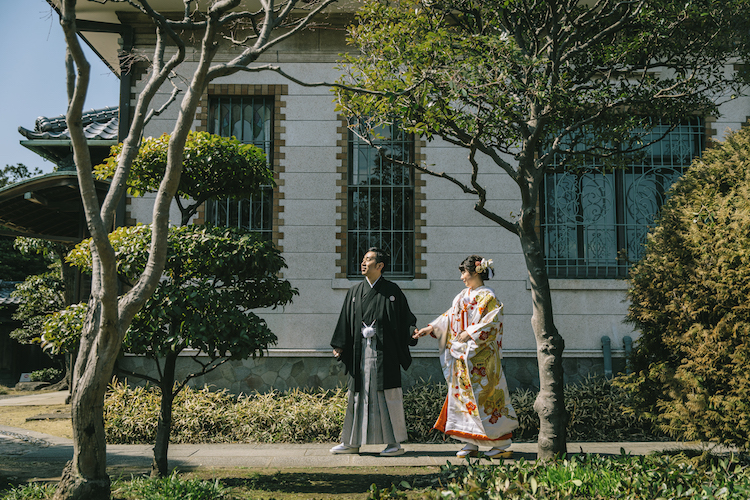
[306,483]
[346,483]
[580,477]
[25,417]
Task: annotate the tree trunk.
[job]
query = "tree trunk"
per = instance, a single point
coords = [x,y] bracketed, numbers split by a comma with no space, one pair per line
[160,465]
[68,276]
[550,403]
[85,476]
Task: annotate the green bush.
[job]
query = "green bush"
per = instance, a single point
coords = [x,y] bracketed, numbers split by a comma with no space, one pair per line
[205,416]
[171,487]
[135,488]
[586,477]
[689,299]
[598,412]
[46,375]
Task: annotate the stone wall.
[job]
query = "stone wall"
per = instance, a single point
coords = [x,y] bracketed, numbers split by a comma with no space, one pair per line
[282,373]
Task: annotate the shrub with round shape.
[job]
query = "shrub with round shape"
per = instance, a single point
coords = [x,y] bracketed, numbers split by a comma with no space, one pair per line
[689,299]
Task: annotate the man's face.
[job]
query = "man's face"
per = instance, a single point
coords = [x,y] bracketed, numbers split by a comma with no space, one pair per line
[370,268]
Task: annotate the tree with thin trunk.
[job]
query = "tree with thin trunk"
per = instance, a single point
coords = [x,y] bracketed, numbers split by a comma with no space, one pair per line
[206,307]
[528,86]
[109,313]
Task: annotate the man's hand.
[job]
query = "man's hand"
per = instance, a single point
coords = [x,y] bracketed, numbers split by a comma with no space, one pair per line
[337,352]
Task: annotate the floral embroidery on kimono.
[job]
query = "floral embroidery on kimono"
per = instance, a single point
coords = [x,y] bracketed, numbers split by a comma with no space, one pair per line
[477,407]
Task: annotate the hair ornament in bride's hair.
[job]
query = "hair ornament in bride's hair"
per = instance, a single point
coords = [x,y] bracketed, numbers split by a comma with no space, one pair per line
[485,265]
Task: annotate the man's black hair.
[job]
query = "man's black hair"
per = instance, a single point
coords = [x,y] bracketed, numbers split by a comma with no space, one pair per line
[380,256]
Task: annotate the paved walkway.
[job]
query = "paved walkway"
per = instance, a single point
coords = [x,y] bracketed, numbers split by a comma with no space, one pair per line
[32,446]
[44,398]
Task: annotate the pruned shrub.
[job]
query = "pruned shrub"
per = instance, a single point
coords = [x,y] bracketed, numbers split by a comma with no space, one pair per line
[205,416]
[689,299]
[295,416]
[46,375]
[422,405]
[598,410]
[131,414]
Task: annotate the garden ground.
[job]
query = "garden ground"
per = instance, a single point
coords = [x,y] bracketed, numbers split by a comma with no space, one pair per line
[282,471]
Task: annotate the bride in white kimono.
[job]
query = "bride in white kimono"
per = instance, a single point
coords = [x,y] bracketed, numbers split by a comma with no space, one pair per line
[477,409]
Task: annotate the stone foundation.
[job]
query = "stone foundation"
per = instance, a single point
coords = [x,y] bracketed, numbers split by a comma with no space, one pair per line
[282,373]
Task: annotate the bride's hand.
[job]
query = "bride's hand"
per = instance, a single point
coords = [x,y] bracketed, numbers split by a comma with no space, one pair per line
[463,337]
[424,331]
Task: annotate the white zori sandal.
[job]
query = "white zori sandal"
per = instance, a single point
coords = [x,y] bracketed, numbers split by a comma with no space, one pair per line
[470,450]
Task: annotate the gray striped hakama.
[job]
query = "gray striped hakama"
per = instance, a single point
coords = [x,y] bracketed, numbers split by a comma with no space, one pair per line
[372,416]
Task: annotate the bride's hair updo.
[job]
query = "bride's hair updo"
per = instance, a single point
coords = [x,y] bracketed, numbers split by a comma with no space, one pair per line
[470,264]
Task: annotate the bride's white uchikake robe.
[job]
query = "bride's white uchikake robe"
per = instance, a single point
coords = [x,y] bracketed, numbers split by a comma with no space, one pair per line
[477,409]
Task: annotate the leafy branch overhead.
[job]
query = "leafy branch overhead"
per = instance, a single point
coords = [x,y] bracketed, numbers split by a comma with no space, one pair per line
[497,75]
[213,276]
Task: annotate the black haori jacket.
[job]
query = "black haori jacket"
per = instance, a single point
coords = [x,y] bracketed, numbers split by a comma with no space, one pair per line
[385,304]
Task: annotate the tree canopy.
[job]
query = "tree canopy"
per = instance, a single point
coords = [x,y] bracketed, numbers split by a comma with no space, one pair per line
[214,276]
[11,174]
[39,295]
[570,77]
[212,166]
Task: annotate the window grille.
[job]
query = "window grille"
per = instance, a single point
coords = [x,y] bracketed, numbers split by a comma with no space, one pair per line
[250,120]
[594,224]
[381,201]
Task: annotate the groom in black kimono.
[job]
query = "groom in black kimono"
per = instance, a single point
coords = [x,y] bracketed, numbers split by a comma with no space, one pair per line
[372,339]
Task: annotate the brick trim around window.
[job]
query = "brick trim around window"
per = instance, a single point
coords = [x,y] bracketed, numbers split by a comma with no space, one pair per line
[275,91]
[342,169]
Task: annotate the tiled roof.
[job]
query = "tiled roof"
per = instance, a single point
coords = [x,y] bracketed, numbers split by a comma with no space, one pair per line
[97,124]
[6,287]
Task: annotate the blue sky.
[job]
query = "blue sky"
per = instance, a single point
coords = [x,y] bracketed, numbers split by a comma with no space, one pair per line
[33,79]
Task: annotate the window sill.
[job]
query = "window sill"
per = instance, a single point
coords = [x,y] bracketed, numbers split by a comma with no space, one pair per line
[585,284]
[345,284]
